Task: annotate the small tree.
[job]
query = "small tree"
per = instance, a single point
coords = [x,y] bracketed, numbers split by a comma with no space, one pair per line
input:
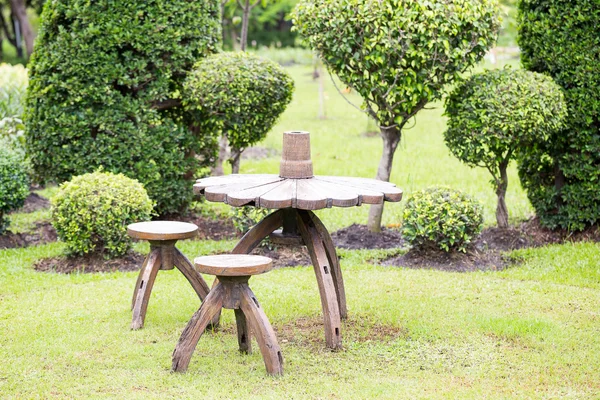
[239,95]
[494,113]
[397,55]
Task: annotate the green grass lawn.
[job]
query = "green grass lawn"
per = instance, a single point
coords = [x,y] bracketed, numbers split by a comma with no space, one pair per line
[530,331]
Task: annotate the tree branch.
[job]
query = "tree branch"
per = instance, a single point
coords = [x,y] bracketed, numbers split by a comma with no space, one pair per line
[166,104]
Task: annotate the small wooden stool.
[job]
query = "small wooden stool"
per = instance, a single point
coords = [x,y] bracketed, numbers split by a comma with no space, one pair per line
[232,292]
[162,236]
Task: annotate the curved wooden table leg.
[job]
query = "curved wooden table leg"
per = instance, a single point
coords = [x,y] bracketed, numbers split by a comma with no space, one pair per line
[329,302]
[195,328]
[334,261]
[263,331]
[139,279]
[243,333]
[144,288]
[184,265]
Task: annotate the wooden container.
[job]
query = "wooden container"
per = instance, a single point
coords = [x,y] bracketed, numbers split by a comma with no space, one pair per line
[295,157]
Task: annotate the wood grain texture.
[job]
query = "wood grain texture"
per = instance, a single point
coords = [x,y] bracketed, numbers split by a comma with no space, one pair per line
[184,265]
[195,328]
[233,264]
[263,332]
[246,196]
[336,270]
[145,284]
[203,183]
[139,279]
[162,230]
[219,193]
[327,291]
[243,332]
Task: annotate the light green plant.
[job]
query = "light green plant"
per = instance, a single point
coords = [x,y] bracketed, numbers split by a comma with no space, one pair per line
[14,183]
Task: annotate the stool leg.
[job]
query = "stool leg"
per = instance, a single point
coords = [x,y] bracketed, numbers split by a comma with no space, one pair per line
[265,336]
[243,333]
[148,276]
[329,302]
[195,328]
[139,279]
[184,265]
[336,271]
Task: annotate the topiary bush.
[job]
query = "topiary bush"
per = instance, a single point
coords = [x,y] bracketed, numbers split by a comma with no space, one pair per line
[104,91]
[495,113]
[442,218]
[239,95]
[561,175]
[397,54]
[91,212]
[14,183]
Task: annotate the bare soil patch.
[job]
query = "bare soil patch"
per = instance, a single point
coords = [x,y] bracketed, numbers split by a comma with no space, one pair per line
[42,233]
[208,228]
[33,202]
[285,256]
[359,237]
[131,261]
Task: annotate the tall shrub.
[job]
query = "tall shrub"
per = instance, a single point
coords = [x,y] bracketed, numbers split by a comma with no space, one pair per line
[494,114]
[105,82]
[562,175]
[239,95]
[397,54]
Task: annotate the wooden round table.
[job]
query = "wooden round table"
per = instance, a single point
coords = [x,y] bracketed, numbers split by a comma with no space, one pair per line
[295,193]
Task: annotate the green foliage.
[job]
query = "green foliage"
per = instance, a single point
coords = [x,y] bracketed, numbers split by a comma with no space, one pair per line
[441,217]
[562,175]
[91,212]
[12,133]
[495,113]
[14,183]
[245,218]
[100,77]
[239,94]
[13,84]
[398,54]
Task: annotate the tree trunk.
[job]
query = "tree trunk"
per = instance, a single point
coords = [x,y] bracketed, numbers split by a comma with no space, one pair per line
[245,22]
[501,209]
[217,170]
[391,139]
[236,155]
[19,11]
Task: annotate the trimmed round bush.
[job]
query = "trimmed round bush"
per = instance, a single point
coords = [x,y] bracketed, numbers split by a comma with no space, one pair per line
[494,114]
[443,218]
[91,212]
[562,175]
[104,91]
[238,94]
[14,183]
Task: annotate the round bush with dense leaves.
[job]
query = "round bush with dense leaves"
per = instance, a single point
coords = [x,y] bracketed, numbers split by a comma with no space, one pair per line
[14,182]
[561,175]
[104,91]
[91,212]
[238,94]
[441,217]
[495,113]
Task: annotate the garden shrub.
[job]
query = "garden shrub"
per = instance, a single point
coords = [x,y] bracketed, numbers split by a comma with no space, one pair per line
[91,212]
[398,55]
[238,94]
[105,84]
[13,85]
[561,175]
[495,113]
[14,182]
[443,218]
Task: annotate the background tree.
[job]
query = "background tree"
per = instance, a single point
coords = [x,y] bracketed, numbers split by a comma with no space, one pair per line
[562,175]
[17,28]
[104,89]
[495,113]
[397,55]
[239,95]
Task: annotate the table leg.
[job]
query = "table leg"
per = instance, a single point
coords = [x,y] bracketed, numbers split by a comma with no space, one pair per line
[144,288]
[322,267]
[334,261]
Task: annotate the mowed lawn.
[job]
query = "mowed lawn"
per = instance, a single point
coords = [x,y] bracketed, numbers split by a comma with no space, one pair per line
[531,331]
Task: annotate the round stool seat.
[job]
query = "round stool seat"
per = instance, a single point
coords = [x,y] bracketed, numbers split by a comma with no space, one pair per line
[233,264]
[162,230]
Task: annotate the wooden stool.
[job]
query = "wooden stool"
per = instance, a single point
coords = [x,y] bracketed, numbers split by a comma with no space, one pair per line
[232,292]
[162,236]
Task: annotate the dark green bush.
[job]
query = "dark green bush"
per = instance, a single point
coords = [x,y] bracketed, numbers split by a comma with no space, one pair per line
[14,182]
[441,217]
[104,90]
[561,38]
[91,212]
[238,94]
[494,113]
